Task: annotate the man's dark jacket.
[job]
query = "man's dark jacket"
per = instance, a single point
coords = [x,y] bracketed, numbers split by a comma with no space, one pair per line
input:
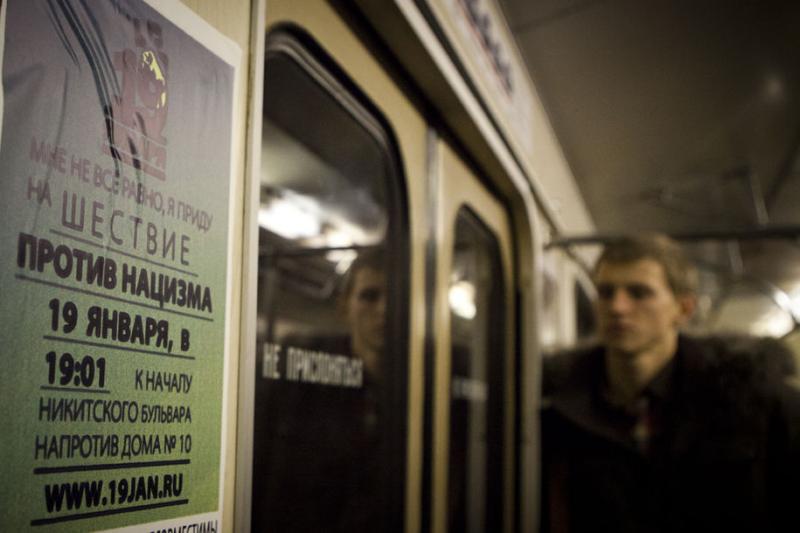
[722,455]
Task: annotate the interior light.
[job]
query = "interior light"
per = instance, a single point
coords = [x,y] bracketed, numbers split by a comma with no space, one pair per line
[338,238]
[794,303]
[342,258]
[289,219]
[462,299]
[775,323]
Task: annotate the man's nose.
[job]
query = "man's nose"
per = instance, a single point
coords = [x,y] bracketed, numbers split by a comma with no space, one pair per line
[380,307]
[620,300]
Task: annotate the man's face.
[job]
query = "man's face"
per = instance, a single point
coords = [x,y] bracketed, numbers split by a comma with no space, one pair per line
[636,309]
[366,308]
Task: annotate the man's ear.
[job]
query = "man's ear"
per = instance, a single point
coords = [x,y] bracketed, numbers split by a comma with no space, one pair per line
[687,303]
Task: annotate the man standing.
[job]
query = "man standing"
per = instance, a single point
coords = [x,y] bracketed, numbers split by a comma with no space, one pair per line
[655,431]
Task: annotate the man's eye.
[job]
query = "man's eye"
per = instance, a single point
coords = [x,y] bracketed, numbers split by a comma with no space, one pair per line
[605,292]
[639,292]
[370,295]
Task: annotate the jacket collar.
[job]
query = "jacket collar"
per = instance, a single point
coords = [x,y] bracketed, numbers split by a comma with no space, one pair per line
[580,390]
[707,392]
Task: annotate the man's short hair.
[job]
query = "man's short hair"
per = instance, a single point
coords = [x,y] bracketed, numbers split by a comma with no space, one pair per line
[680,271]
[373,258]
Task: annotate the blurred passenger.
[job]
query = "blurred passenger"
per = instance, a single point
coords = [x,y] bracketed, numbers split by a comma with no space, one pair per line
[363,304]
[653,431]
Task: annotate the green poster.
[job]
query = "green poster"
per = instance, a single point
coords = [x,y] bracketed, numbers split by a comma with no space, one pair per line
[115,160]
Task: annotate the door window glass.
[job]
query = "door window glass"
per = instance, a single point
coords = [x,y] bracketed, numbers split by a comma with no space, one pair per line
[584,313]
[477,352]
[328,443]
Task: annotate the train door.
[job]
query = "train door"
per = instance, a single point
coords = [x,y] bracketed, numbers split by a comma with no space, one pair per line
[473,392]
[326,410]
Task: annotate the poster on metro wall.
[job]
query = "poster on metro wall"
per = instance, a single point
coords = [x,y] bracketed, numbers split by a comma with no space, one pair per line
[115,188]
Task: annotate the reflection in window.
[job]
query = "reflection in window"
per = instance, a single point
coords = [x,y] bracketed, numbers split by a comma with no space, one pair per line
[476,414]
[328,443]
[584,314]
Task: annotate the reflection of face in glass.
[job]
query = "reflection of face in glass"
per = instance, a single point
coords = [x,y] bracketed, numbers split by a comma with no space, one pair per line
[365,313]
